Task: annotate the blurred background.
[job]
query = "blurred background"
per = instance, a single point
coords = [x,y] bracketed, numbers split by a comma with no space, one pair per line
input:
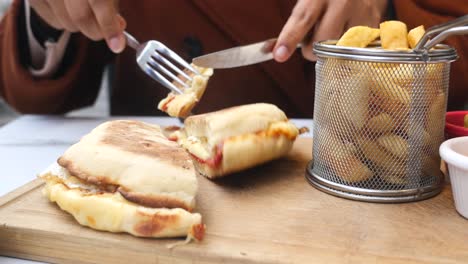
[6,113]
[99,109]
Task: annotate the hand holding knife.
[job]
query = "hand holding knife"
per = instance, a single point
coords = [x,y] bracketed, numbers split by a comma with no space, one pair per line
[238,56]
[310,21]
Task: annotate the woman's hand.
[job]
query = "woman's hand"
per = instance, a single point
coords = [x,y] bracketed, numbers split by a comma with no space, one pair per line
[315,20]
[96,19]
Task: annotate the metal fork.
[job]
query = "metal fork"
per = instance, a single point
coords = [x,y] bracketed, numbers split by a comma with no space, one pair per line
[157,60]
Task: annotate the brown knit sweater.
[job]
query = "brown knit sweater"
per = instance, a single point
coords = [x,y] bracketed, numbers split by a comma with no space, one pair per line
[192,28]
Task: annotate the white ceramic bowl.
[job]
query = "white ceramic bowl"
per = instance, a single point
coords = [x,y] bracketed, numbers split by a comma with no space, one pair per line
[455,153]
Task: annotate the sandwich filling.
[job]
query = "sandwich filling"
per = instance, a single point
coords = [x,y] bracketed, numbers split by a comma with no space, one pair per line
[212,155]
[180,105]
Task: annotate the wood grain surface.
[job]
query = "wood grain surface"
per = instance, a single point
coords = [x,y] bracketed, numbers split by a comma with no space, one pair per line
[269,214]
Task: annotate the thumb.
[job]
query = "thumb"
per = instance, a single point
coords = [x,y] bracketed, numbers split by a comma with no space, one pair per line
[117,43]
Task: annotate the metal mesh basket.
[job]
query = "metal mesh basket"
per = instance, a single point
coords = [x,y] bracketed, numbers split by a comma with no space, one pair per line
[378,122]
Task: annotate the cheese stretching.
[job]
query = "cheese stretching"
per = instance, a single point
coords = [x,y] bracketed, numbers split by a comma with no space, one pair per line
[126,176]
[180,105]
[237,138]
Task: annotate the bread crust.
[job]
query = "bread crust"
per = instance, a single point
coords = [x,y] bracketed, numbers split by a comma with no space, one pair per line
[109,211]
[217,126]
[249,135]
[136,157]
[246,151]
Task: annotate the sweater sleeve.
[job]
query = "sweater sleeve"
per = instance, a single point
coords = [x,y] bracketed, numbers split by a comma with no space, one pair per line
[433,12]
[75,84]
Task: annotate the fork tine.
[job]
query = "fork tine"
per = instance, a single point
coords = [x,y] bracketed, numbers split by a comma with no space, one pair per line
[160,78]
[158,66]
[165,50]
[172,66]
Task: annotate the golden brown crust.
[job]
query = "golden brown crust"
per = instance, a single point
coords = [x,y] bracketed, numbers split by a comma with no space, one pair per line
[154,223]
[216,126]
[127,136]
[198,231]
[109,211]
[153,200]
[136,157]
[249,150]
[248,135]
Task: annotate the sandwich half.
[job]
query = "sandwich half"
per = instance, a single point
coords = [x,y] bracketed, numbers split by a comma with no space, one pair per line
[125,176]
[236,138]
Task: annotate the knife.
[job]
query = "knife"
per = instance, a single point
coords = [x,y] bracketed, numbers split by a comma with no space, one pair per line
[238,56]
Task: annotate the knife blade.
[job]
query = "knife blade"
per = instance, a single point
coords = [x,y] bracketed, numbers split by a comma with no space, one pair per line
[238,56]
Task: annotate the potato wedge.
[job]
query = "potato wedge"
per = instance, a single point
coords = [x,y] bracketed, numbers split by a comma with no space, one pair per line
[431,166]
[358,36]
[435,116]
[394,35]
[414,35]
[340,158]
[394,178]
[336,106]
[398,111]
[400,74]
[380,157]
[381,123]
[395,145]
[387,89]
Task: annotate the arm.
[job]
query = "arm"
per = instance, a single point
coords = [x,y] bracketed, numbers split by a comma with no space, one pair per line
[74,84]
[433,12]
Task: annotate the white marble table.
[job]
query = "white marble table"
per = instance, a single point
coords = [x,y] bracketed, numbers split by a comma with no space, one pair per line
[30,143]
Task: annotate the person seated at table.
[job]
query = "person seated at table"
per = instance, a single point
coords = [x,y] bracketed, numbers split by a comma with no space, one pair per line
[53,54]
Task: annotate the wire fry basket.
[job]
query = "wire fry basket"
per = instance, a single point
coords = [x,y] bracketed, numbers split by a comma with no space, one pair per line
[379,120]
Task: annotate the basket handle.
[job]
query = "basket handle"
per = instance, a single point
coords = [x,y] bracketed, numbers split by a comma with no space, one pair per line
[458,26]
[445,34]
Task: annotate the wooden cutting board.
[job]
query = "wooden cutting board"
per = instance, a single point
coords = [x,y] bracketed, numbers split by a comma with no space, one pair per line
[269,214]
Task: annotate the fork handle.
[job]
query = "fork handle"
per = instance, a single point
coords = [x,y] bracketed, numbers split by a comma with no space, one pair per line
[131,41]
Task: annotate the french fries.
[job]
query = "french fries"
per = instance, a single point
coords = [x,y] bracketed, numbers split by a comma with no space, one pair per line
[358,92]
[392,169]
[394,35]
[415,35]
[387,89]
[397,179]
[436,113]
[431,166]
[341,158]
[394,144]
[371,140]
[359,36]
[401,74]
[381,123]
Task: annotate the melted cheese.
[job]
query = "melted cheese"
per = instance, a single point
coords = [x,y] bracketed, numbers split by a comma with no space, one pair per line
[180,105]
[59,174]
[283,128]
[196,146]
[109,211]
[200,148]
